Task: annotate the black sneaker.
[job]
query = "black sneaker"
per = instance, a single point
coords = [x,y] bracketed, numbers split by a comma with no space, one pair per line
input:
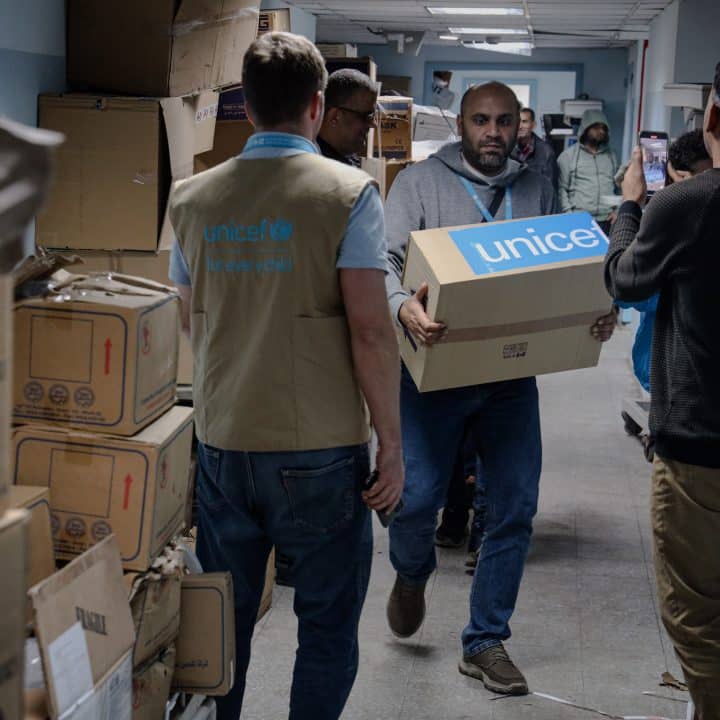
[449,538]
[496,670]
[406,608]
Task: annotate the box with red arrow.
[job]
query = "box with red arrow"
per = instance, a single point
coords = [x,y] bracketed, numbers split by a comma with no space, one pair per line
[134,488]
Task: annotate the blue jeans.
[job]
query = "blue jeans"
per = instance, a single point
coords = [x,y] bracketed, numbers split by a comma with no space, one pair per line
[507,421]
[307,505]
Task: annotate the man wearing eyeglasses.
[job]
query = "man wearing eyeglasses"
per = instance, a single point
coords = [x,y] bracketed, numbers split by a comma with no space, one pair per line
[350,113]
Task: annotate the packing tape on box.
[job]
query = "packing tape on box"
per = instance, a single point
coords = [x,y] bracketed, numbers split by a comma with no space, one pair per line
[490,332]
[183,28]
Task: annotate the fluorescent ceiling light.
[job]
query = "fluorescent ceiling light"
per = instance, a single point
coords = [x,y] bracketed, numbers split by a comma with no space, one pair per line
[512,48]
[487,31]
[448,37]
[474,11]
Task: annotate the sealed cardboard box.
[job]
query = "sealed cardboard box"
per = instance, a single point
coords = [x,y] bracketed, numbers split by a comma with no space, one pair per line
[273,21]
[133,487]
[6,343]
[393,138]
[41,556]
[155,604]
[151,686]
[158,48]
[114,171]
[337,50]
[85,634]
[518,298]
[205,660]
[14,526]
[384,171]
[98,353]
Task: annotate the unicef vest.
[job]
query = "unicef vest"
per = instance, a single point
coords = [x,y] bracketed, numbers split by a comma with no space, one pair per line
[271,344]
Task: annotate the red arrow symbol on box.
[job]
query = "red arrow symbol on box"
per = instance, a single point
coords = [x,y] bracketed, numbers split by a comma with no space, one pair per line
[126,498]
[108,348]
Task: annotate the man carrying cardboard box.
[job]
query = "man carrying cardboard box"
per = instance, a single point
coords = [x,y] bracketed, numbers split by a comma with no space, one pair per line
[463,183]
[281,260]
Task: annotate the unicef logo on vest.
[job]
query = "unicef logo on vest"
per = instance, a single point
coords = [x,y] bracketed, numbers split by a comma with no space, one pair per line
[530,242]
[279,231]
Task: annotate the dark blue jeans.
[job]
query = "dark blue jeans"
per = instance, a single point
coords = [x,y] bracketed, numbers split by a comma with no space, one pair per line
[507,422]
[307,505]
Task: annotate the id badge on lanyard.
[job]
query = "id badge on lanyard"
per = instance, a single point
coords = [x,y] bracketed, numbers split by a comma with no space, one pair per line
[481,205]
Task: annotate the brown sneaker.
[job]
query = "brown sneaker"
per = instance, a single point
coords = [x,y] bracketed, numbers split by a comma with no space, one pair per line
[406,608]
[496,670]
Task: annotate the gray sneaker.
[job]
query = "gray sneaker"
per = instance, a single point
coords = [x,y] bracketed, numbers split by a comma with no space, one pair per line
[496,671]
[406,608]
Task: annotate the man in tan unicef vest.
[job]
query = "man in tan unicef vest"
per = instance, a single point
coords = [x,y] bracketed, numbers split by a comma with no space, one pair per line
[281,259]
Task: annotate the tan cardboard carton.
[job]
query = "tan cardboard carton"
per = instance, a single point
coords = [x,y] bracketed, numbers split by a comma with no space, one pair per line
[205,660]
[158,48]
[518,298]
[133,487]
[85,635]
[384,171]
[155,604]
[14,526]
[99,353]
[336,50]
[6,319]
[41,555]
[151,686]
[114,171]
[273,21]
[393,138]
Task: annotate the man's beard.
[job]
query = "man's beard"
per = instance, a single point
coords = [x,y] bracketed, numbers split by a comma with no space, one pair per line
[595,142]
[486,163]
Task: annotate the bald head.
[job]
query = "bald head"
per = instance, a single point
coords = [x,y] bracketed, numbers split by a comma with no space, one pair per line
[490,89]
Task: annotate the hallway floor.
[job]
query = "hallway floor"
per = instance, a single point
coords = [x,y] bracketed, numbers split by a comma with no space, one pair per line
[586,628]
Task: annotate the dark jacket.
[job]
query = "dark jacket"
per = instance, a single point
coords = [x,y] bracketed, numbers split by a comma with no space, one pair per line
[541,160]
[673,249]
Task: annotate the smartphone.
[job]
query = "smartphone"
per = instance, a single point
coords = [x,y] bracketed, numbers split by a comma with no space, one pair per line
[654,146]
[384,517]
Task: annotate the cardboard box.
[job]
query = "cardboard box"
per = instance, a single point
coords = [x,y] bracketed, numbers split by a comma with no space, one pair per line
[114,171]
[401,84]
[432,123]
[205,660]
[6,344]
[99,353]
[337,50]
[518,298]
[155,604]
[14,527]
[393,139]
[151,686]
[158,48]
[101,484]
[85,634]
[384,171]
[41,555]
[273,21]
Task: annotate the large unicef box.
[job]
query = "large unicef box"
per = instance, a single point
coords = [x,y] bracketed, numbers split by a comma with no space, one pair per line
[518,298]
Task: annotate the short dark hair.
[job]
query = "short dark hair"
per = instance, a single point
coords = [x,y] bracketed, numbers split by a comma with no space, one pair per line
[344,83]
[495,84]
[530,112]
[281,74]
[688,150]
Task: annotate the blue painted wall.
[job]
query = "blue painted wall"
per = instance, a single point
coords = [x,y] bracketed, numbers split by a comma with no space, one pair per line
[604,72]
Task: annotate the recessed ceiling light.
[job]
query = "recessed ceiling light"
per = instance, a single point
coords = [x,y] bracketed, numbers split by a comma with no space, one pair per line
[487,31]
[474,11]
[513,48]
[448,37]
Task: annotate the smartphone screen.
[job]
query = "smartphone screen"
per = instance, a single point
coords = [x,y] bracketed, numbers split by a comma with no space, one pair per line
[654,147]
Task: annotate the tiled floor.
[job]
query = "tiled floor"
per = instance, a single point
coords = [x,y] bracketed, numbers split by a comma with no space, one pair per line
[586,628]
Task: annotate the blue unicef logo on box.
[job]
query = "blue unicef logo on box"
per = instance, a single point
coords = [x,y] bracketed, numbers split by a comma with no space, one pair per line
[529,243]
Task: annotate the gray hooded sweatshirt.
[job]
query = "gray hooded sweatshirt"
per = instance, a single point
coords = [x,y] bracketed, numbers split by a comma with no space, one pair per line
[430,195]
[585,177]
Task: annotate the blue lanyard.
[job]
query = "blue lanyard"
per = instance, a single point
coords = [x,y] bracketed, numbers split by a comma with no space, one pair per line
[279,140]
[481,205]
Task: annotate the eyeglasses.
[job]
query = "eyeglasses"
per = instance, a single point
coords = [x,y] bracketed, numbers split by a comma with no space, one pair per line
[369,117]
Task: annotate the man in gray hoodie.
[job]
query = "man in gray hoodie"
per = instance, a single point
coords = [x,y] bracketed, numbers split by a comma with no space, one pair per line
[464,183]
[587,170]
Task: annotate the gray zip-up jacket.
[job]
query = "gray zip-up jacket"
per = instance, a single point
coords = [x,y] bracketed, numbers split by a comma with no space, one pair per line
[430,195]
[585,177]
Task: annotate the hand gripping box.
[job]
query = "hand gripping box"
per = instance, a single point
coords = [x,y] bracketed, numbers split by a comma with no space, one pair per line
[518,298]
[133,487]
[98,353]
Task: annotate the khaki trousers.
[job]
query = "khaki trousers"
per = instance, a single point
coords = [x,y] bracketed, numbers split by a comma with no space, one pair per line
[686,526]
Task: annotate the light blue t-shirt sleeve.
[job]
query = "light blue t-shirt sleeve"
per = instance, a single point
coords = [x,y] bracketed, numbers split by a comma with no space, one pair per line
[364,246]
[178,271]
